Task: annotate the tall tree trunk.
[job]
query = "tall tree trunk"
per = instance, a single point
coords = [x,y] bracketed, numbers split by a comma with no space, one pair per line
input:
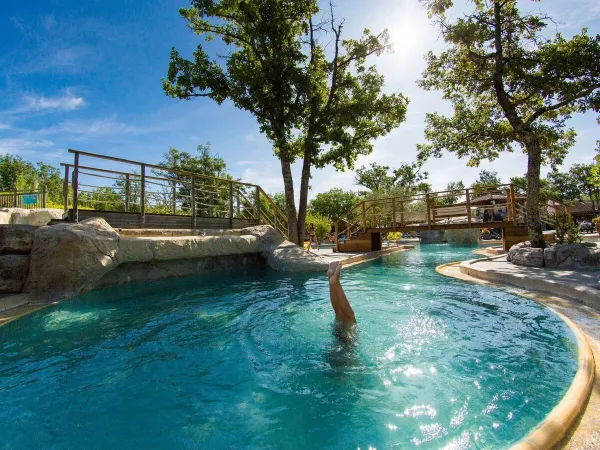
[534,162]
[304,186]
[290,203]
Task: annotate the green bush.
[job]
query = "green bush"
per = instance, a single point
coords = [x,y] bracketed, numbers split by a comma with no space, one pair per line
[567,232]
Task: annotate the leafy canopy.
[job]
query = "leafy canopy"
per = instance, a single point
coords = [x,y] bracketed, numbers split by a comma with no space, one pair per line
[505,79]
[334,204]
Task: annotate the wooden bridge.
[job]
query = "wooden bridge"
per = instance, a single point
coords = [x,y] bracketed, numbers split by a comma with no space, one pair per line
[132,194]
[496,206]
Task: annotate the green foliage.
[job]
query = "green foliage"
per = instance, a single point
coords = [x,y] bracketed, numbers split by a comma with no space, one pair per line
[322,225]
[567,231]
[279,199]
[322,104]
[18,174]
[596,219]
[211,200]
[456,189]
[408,178]
[510,88]
[376,178]
[334,204]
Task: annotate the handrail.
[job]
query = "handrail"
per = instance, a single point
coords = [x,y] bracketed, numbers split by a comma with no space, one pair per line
[154,166]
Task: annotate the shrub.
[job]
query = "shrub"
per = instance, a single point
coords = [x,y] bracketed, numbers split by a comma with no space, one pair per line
[566,229]
[596,219]
[322,225]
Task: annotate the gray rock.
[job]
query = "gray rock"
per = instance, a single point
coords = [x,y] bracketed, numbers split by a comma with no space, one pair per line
[515,248]
[281,254]
[572,256]
[68,258]
[13,272]
[16,239]
[526,256]
[36,217]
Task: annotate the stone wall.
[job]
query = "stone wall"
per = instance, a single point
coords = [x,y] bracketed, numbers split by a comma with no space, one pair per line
[62,260]
[560,256]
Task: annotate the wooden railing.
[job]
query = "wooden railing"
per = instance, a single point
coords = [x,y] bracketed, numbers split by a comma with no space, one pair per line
[153,189]
[26,199]
[423,211]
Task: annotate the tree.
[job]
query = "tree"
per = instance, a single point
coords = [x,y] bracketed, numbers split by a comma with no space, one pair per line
[547,188]
[509,85]
[279,199]
[455,190]
[376,178]
[334,204]
[322,106]
[16,173]
[210,201]
[488,178]
[408,177]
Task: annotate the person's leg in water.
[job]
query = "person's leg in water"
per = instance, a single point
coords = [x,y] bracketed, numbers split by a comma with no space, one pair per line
[341,306]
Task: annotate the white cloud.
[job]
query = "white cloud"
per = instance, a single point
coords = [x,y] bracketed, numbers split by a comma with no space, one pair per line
[23,146]
[67,102]
[4,126]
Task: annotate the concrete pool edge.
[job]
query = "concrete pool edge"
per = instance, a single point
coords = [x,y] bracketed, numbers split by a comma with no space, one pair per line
[564,419]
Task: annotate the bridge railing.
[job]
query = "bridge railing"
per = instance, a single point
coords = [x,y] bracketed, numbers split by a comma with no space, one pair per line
[469,206]
[148,191]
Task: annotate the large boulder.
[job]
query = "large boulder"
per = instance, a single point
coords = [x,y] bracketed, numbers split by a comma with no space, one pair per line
[530,257]
[281,254]
[13,272]
[36,217]
[16,239]
[513,250]
[572,256]
[68,258]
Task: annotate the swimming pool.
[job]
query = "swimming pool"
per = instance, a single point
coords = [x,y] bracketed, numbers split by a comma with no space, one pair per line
[251,361]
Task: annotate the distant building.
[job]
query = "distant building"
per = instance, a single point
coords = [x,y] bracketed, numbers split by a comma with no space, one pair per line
[585,210]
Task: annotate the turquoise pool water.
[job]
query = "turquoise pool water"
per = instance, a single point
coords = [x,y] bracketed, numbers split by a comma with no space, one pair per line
[252,362]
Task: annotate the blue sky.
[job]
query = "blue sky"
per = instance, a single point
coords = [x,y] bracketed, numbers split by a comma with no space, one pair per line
[87,75]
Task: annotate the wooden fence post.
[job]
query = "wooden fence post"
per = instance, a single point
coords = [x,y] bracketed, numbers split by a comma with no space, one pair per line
[44,193]
[468,207]
[257,206]
[193,201]
[143,198]
[174,198]
[401,213]
[393,213]
[513,204]
[127,184]
[66,189]
[76,189]
[335,238]
[364,216]
[230,205]
[428,211]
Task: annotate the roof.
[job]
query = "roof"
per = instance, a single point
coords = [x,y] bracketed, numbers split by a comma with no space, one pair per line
[486,198]
[585,208]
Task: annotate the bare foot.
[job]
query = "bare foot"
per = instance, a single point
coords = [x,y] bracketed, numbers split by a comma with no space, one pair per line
[333,273]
